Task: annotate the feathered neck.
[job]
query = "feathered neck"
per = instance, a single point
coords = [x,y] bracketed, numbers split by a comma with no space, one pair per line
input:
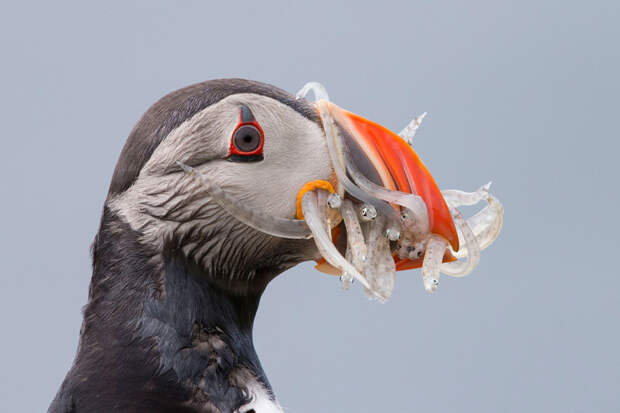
[160,334]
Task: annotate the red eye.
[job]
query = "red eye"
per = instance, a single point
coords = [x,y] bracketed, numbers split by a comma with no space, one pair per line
[247,140]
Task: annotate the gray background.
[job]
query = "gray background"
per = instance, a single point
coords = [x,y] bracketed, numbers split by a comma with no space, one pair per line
[524,93]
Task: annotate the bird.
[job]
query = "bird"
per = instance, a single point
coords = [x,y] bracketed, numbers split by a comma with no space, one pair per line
[176,279]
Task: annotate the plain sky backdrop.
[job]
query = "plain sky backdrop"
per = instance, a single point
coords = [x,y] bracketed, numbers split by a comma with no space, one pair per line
[524,93]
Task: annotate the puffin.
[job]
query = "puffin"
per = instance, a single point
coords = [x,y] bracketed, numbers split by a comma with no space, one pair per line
[176,279]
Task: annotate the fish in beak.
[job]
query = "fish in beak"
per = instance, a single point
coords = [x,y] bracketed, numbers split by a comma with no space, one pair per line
[389,161]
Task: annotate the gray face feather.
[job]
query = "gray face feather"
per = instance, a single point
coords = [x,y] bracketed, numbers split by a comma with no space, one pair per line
[175,108]
[169,208]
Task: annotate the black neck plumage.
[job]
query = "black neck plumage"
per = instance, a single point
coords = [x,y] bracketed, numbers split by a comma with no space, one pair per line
[158,334]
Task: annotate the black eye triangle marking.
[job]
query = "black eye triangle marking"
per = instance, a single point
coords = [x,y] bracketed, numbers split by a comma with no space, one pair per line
[246,115]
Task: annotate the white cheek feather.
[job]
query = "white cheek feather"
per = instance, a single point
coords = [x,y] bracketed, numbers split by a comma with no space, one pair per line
[295,152]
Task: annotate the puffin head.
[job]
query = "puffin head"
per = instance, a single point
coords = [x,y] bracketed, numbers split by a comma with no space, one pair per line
[260,146]
[256,142]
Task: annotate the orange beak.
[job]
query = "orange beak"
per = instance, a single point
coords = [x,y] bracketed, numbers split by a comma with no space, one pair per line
[384,157]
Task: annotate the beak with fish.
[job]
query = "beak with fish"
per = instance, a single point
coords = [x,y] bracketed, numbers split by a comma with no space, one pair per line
[381,212]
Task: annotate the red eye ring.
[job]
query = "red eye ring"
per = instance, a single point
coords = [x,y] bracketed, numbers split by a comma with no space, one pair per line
[247,139]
